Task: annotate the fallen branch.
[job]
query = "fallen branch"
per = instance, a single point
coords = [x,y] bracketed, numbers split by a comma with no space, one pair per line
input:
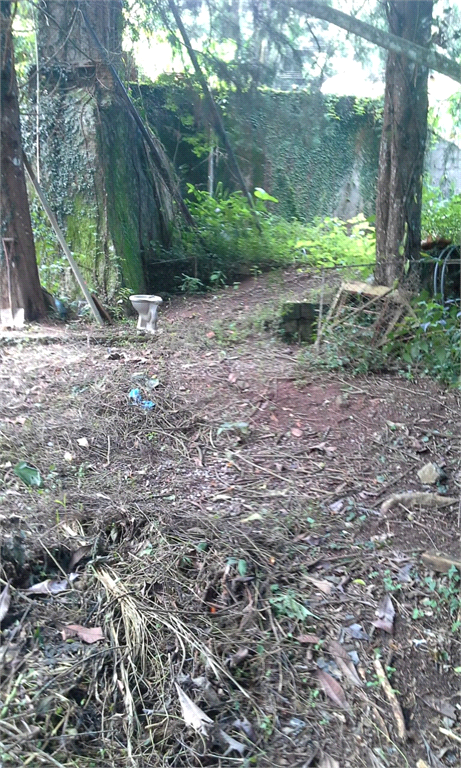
[431,500]
[450,734]
[440,562]
[392,698]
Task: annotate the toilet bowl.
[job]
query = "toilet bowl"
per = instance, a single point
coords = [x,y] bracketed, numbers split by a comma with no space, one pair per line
[146,307]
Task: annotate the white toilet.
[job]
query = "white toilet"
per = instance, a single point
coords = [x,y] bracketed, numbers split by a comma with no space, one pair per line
[146,307]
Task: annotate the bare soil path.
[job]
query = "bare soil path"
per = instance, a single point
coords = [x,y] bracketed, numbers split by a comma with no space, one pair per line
[229,541]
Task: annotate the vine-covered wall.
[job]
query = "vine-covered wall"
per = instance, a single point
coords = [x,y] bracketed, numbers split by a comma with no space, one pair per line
[318,155]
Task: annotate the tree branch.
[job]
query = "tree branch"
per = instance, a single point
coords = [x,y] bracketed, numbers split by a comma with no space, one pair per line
[412,51]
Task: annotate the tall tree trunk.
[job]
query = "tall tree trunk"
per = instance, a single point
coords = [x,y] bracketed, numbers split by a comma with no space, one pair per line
[98,167]
[19,274]
[403,142]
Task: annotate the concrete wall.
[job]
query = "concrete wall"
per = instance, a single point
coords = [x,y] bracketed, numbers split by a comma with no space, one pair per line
[443,164]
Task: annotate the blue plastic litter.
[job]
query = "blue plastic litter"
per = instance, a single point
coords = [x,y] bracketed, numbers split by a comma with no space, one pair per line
[136,399]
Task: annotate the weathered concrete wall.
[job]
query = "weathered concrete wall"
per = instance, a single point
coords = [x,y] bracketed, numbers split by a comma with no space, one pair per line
[443,164]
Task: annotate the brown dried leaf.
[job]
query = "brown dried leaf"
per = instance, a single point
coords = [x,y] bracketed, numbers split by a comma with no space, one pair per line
[296,432]
[356,631]
[9,654]
[232,744]
[332,688]
[48,587]
[232,378]
[328,762]
[385,615]
[306,639]
[5,599]
[79,554]
[243,724]
[87,634]
[442,706]
[192,714]
[323,448]
[344,662]
[239,657]
[321,584]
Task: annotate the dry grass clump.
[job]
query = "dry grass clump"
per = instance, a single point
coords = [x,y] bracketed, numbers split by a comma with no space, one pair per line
[185,603]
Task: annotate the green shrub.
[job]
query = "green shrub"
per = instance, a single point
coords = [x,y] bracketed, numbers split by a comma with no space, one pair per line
[331,242]
[426,345]
[429,345]
[227,242]
[441,217]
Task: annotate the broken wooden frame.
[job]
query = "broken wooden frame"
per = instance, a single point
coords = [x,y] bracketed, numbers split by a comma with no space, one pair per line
[388,305]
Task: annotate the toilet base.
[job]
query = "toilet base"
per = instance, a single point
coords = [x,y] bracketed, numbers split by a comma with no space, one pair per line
[147,308]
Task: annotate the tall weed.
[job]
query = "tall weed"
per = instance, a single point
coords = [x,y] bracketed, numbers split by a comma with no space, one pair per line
[440,217]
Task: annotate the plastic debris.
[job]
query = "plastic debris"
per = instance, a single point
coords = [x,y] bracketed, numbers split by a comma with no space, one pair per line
[29,475]
[136,398]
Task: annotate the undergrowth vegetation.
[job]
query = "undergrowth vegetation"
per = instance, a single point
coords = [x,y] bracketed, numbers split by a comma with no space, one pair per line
[231,240]
[440,216]
[429,344]
[425,344]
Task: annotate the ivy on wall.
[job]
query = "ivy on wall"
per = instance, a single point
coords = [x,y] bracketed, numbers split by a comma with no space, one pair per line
[317,154]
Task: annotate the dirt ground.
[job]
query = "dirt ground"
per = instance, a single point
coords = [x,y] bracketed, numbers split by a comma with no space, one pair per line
[250,601]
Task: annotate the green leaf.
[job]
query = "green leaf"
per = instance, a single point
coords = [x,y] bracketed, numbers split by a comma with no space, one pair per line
[29,475]
[241,426]
[242,567]
[261,194]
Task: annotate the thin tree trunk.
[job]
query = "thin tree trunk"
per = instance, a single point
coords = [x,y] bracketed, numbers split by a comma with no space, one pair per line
[16,229]
[403,142]
[214,111]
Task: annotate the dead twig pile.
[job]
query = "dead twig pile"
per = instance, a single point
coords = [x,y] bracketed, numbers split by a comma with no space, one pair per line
[211,581]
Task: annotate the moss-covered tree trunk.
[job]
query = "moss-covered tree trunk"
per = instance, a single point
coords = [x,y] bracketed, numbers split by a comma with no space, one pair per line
[20,284]
[107,193]
[403,142]
[138,204]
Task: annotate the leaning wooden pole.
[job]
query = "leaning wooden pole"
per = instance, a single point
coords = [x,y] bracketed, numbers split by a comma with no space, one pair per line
[214,110]
[62,242]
